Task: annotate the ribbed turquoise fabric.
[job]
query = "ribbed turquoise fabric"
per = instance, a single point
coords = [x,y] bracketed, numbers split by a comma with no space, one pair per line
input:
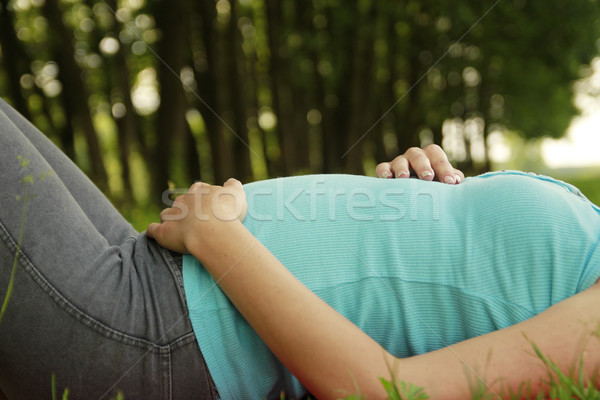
[416,265]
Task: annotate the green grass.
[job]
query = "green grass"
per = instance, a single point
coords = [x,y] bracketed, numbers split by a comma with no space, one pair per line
[589,186]
[141,216]
[586,180]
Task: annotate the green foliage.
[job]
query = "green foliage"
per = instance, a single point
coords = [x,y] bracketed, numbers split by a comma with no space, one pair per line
[141,216]
[588,184]
[65,395]
[403,391]
[568,386]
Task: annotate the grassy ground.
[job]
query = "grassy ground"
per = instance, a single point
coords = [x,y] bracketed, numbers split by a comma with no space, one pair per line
[586,179]
[590,186]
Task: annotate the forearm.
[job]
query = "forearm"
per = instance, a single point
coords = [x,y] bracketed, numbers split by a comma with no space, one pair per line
[319,346]
[503,360]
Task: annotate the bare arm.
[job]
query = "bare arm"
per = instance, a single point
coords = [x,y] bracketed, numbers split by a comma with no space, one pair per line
[328,353]
[505,358]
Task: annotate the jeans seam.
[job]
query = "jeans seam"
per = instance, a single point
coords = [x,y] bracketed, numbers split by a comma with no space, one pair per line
[182,341]
[168,376]
[175,272]
[69,307]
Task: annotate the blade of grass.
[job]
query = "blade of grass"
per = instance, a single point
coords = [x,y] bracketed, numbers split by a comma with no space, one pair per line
[13,272]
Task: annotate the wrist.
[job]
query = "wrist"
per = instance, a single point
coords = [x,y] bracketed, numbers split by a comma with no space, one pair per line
[215,240]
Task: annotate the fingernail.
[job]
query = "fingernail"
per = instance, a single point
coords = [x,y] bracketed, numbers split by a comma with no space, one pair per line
[386,174]
[458,179]
[425,174]
[400,173]
[449,179]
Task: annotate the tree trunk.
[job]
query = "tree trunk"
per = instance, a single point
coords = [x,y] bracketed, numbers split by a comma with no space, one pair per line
[241,149]
[253,105]
[280,90]
[302,96]
[192,157]
[335,142]
[13,58]
[208,78]
[128,125]
[75,96]
[360,124]
[327,127]
[170,119]
[407,130]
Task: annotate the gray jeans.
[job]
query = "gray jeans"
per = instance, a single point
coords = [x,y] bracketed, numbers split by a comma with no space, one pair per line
[95,303]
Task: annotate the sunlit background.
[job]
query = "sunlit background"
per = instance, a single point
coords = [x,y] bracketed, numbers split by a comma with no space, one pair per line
[581,146]
[148,93]
[577,152]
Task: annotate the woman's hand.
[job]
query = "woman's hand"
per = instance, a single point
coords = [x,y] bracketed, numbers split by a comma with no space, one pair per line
[201,217]
[428,163]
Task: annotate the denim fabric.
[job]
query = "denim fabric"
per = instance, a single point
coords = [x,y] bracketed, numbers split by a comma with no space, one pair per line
[95,303]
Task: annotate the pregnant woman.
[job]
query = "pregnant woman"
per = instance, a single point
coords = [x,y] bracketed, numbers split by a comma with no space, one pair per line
[347,279]
[94,302]
[339,279]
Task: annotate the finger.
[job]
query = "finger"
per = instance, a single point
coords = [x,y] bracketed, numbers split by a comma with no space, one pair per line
[198,186]
[419,162]
[175,213]
[383,170]
[444,172]
[162,214]
[240,197]
[400,167]
[232,182]
[458,174]
[163,235]
[152,230]
[236,188]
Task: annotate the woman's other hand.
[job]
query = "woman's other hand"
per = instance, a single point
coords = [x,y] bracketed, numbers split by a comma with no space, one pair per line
[429,163]
[200,217]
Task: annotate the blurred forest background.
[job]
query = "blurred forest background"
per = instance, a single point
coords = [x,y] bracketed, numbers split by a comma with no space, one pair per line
[141,93]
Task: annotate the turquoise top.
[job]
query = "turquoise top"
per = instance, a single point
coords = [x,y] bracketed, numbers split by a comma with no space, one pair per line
[416,265]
